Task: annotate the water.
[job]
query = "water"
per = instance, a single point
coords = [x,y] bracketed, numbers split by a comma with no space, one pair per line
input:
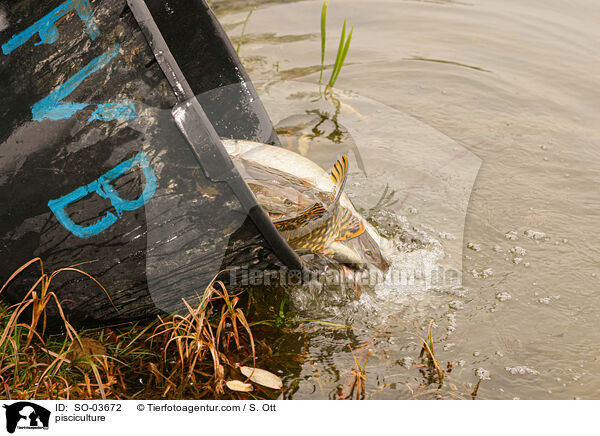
[488,130]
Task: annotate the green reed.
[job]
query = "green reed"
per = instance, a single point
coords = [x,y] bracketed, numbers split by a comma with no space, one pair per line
[342,49]
[241,40]
[323,36]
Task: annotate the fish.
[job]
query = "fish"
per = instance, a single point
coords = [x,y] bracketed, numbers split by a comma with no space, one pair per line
[358,243]
[308,218]
[316,228]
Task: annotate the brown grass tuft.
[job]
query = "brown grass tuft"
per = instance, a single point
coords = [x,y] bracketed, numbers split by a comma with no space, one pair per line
[185,355]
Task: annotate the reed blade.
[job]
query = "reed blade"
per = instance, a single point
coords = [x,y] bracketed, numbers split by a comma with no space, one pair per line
[323,37]
[342,58]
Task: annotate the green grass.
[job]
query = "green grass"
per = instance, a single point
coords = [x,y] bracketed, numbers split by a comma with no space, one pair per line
[341,55]
[342,52]
[323,37]
[241,40]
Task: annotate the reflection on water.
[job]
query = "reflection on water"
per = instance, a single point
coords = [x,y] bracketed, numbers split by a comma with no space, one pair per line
[515,84]
[417,58]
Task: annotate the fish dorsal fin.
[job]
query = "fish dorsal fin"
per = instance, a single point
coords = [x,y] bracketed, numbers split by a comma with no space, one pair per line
[350,227]
[289,223]
[339,173]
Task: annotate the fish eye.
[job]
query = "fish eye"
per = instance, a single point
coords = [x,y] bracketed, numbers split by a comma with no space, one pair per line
[369,253]
[288,202]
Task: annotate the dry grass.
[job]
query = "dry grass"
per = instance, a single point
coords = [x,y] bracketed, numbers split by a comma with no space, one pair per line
[187,355]
[194,341]
[355,386]
[434,374]
[429,350]
[360,376]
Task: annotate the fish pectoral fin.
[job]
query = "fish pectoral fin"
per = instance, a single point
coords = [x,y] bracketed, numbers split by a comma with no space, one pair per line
[339,174]
[329,251]
[351,227]
[334,248]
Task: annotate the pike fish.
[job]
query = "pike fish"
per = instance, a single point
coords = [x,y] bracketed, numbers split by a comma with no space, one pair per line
[308,205]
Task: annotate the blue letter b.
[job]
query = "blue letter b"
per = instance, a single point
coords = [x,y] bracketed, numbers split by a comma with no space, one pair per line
[103,187]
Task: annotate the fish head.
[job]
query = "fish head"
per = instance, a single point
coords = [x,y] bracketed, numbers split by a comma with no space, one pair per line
[371,251]
[360,251]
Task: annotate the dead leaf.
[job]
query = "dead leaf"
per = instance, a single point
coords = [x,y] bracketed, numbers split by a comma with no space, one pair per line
[236,385]
[262,377]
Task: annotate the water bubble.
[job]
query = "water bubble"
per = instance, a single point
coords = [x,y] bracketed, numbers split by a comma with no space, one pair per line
[483,274]
[518,250]
[521,370]
[503,296]
[482,374]
[535,235]
[548,300]
[456,305]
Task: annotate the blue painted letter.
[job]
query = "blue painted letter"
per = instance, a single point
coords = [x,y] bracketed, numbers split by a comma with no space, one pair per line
[53,108]
[103,187]
[46,27]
